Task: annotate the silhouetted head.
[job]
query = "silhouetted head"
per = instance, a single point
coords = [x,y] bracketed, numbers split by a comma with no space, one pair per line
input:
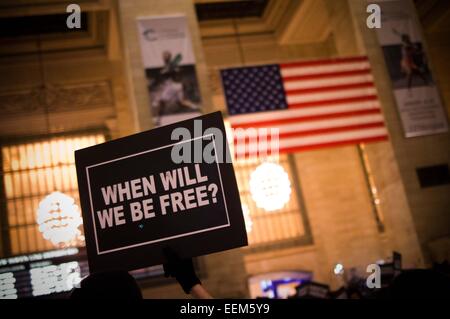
[108,285]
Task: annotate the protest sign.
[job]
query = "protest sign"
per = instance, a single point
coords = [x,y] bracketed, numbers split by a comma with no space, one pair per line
[168,187]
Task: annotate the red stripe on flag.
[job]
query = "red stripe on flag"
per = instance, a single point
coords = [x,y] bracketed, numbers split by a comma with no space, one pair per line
[331,88]
[332,129]
[363,98]
[318,146]
[340,143]
[325,75]
[274,123]
[321,131]
[323,62]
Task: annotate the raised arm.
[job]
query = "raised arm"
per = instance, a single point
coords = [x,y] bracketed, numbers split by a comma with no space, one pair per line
[183,271]
[199,292]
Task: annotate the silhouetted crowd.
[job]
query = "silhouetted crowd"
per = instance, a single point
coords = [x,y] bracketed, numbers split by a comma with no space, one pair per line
[393,283]
[433,283]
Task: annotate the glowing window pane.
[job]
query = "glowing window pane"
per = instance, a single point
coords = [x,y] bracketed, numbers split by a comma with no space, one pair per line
[269,226]
[31,171]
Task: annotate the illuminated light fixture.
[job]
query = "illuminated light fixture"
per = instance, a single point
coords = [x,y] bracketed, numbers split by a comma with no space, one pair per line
[247,219]
[338,269]
[58,218]
[270,186]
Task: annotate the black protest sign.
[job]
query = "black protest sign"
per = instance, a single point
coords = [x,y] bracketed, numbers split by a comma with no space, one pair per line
[173,186]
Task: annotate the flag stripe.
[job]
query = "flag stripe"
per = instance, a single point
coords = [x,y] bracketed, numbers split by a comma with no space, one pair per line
[328,96]
[330,144]
[322,124]
[324,62]
[326,75]
[305,111]
[334,101]
[327,138]
[295,149]
[332,129]
[336,87]
[310,70]
[326,82]
[296,133]
[277,123]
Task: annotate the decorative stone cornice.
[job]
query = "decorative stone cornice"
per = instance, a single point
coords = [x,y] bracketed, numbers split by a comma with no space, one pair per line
[56,98]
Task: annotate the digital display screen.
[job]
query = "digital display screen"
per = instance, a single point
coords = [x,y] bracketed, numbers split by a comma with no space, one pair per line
[277,285]
[50,274]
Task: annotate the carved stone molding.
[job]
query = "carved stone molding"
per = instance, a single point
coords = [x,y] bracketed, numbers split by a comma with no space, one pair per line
[56,98]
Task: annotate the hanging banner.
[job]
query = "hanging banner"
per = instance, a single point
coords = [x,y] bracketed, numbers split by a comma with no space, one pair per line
[169,63]
[418,101]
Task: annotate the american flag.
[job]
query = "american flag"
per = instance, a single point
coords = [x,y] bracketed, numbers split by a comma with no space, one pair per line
[313,103]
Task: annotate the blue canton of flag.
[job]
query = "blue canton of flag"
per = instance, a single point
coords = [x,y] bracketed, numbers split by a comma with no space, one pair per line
[254,89]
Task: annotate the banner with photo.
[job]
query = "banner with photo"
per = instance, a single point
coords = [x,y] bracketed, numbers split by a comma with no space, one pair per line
[418,101]
[169,63]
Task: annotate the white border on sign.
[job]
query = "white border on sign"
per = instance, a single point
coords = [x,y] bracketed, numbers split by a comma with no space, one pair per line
[165,238]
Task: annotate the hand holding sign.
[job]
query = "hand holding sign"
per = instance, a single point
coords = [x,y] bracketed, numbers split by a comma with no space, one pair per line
[181,269]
